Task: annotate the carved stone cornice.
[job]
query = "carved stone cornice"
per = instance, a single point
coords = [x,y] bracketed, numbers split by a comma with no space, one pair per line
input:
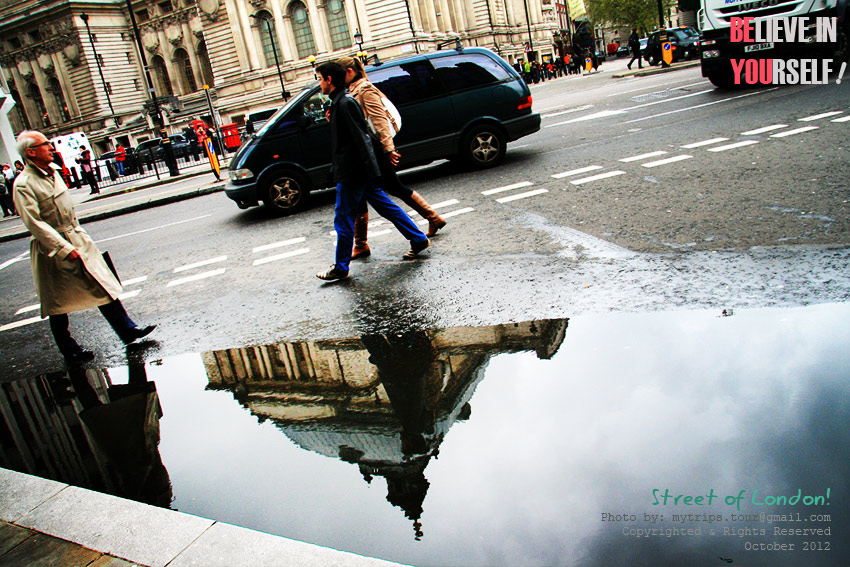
[258,4]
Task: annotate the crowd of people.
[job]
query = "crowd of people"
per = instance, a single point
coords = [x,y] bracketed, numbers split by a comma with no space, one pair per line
[571,64]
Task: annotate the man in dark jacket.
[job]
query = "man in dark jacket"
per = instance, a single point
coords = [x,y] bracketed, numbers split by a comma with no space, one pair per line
[356,171]
[634,46]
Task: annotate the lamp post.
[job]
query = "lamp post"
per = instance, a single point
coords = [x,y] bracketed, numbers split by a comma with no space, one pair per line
[85,18]
[528,24]
[358,39]
[283,90]
[157,112]
[312,60]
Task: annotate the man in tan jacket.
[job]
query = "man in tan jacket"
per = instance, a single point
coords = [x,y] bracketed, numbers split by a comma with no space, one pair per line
[69,271]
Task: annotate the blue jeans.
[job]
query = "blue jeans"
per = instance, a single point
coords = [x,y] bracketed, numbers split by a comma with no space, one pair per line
[348,197]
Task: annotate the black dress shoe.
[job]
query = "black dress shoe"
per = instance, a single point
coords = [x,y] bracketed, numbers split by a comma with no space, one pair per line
[80,356]
[137,333]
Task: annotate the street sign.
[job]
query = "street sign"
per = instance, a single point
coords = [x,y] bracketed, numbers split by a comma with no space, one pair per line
[667,52]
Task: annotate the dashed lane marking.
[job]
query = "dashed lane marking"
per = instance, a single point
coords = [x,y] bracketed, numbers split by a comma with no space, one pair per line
[792,132]
[27,309]
[733,146]
[842,119]
[200,264]
[690,108]
[666,161]
[525,195]
[704,143]
[643,156]
[21,323]
[579,171]
[597,177]
[129,294]
[281,256]
[133,281]
[770,128]
[519,185]
[280,244]
[819,116]
[196,277]
[457,212]
[150,229]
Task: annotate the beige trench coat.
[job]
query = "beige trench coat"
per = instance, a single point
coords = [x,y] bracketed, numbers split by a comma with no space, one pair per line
[63,285]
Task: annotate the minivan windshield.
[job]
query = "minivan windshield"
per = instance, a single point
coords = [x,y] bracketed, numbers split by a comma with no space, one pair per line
[297,99]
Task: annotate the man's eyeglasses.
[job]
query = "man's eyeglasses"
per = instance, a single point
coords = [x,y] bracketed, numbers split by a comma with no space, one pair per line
[47,143]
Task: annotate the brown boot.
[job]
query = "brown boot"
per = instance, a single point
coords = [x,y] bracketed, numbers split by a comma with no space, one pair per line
[361,230]
[426,211]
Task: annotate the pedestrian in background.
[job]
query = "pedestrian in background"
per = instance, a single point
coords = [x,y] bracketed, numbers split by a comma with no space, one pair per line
[6,191]
[69,271]
[84,160]
[634,46]
[356,170]
[120,156]
[369,98]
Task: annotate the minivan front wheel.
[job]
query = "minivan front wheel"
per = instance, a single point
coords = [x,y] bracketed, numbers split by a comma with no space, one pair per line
[484,146]
[285,192]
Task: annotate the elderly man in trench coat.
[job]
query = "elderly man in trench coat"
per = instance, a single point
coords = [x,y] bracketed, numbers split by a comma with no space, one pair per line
[69,271]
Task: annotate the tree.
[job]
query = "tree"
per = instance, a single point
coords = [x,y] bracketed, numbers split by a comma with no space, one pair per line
[640,14]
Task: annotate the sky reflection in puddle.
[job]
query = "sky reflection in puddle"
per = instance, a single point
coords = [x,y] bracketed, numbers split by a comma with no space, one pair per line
[457,449]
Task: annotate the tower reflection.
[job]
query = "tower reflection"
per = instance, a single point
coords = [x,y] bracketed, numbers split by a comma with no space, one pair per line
[383,401]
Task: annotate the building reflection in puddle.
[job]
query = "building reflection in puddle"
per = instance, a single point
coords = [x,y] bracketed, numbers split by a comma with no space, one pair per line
[383,402]
[78,427]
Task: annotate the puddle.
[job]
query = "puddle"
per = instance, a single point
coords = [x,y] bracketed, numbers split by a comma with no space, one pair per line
[539,443]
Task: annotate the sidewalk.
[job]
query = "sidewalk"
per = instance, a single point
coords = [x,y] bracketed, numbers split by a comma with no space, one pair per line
[47,523]
[106,206]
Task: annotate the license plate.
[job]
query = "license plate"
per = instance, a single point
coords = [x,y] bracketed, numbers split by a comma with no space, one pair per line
[757,47]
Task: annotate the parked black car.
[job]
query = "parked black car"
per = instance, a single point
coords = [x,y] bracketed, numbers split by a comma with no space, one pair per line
[179,145]
[684,41]
[107,159]
[149,151]
[454,104]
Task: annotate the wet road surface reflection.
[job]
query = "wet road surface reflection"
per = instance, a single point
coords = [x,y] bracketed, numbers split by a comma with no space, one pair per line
[538,443]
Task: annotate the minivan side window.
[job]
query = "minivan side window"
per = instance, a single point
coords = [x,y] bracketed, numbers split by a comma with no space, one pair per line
[406,83]
[460,72]
[315,106]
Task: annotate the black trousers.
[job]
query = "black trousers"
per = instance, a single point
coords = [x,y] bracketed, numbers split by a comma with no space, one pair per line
[113,312]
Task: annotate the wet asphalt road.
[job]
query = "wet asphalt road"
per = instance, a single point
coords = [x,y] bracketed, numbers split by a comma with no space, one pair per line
[761,224]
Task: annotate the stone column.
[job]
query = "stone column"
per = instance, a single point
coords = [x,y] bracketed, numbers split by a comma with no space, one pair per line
[284,48]
[319,24]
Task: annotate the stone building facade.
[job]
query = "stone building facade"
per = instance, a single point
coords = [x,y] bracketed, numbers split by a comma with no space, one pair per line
[74,65]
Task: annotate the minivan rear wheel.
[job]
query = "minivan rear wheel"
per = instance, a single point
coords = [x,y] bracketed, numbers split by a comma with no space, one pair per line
[285,192]
[484,146]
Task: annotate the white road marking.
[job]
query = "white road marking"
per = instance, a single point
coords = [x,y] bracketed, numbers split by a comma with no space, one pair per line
[134,281]
[669,99]
[842,119]
[27,309]
[507,188]
[458,212]
[595,115]
[733,146]
[819,116]
[698,106]
[666,161]
[568,111]
[129,294]
[276,257]
[150,229]
[792,132]
[8,263]
[577,171]
[199,264]
[597,177]
[765,129]
[704,143]
[196,277]
[387,231]
[525,195]
[439,205]
[21,323]
[643,156]
[274,245]
[655,87]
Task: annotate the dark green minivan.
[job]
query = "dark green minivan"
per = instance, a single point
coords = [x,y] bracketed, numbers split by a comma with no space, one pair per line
[465,104]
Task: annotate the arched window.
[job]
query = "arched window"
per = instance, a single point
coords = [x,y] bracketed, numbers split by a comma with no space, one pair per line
[206,66]
[161,74]
[55,89]
[18,110]
[267,37]
[184,66]
[34,93]
[338,25]
[301,29]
